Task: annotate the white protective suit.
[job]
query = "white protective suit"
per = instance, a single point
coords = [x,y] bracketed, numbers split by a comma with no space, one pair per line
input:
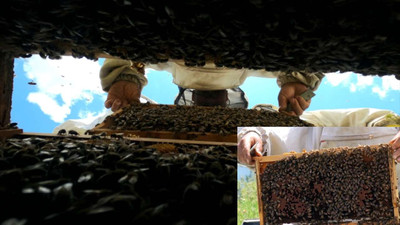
[209,77]
[353,117]
[278,140]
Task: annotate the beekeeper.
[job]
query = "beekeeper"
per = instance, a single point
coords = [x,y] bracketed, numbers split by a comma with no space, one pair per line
[208,85]
[124,81]
[278,140]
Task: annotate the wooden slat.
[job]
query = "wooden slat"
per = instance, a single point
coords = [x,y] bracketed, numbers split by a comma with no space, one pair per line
[7,133]
[393,182]
[144,139]
[172,135]
[51,135]
[180,141]
[275,158]
[259,194]
[6,88]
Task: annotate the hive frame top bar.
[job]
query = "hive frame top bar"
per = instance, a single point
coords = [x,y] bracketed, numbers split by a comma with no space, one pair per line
[144,139]
[196,137]
[149,120]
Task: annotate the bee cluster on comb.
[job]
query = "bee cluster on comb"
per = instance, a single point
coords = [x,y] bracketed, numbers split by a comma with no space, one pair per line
[311,36]
[331,186]
[218,120]
[62,180]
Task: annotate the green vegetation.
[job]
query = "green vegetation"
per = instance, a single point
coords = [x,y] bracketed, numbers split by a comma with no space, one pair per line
[393,119]
[247,199]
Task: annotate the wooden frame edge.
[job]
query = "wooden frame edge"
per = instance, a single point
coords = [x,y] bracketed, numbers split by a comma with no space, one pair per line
[393,185]
[260,202]
[272,159]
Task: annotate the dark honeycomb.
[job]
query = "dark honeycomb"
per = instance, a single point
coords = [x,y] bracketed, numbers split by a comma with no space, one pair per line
[68,181]
[287,35]
[329,185]
[219,120]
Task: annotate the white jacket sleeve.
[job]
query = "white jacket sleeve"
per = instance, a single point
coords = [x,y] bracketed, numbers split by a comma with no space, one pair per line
[118,69]
[272,138]
[357,117]
[311,80]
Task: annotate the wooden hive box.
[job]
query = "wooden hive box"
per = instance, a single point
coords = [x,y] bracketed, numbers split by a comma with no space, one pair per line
[362,189]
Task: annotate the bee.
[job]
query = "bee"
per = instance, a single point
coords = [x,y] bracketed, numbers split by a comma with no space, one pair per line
[73,133]
[61,132]
[103,134]
[117,135]
[12,125]
[94,137]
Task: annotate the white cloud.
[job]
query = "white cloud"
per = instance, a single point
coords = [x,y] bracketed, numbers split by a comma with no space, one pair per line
[356,82]
[49,106]
[364,81]
[68,79]
[89,119]
[390,82]
[337,78]
[379,91]
[90,115]
[353,88]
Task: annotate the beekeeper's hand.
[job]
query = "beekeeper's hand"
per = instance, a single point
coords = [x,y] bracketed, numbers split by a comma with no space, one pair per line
[290,93]
[395,143]
[121,94]
[244,145]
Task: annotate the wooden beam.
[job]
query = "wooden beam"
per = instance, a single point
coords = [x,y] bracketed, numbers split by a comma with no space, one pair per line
[196,136]
[144,139]
[393,185]
[6,88]
[259,193]
[8,133]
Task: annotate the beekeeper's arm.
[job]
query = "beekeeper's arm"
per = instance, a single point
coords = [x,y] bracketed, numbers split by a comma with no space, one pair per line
[395,143]
[265,138]
[123,80]
[292,84]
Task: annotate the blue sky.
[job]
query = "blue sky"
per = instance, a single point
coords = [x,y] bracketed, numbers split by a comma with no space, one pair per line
[70,89]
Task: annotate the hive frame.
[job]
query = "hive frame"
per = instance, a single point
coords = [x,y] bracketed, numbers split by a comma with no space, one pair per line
[263,161]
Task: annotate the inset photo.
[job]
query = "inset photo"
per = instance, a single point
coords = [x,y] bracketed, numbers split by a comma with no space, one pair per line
[318,175]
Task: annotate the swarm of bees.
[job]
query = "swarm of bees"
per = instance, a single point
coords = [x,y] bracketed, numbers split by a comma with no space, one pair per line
[220,120]
[311,36]
[329,185]
[62,180]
